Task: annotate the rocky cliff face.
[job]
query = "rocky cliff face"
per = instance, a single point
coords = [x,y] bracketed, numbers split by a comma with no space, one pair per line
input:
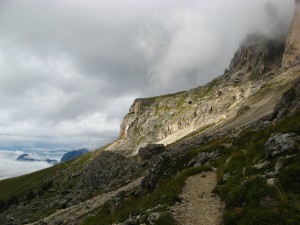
[251,86]
[257,54]
[292,50]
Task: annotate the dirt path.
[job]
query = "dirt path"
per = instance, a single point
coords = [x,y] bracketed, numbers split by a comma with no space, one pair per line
[199,205]
[73,214]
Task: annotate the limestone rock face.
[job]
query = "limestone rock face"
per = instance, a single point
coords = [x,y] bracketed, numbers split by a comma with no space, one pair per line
[292,51]
[257,54]
[247,91]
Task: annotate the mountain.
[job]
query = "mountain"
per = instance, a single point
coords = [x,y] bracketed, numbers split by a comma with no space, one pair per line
[243,127]
[26,158]
[247,91]
[73,154]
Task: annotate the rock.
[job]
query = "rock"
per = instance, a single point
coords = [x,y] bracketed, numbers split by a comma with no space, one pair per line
[108,169]
[131,222]
[289,102]
[43,222]
[245,182]
[244,172]
[282,161]
[214,169]
[226,177]
[242,110]
[272,182]
[203,158]
[271,175]
[257,54]
[150,151]
[280,143]
[261,165]
[161,169]
[153,217]
[136,193]
[228,160]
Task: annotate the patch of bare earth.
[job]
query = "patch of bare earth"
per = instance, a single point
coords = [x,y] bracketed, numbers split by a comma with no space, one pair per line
[199,205]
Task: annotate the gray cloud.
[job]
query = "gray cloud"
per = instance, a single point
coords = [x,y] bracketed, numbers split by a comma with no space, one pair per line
[69,70]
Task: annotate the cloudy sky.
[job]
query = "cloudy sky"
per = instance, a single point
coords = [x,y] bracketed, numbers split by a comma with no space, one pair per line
[70,69]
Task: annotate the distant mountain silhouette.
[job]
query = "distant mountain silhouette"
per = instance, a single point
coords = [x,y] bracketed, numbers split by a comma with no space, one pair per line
[25,158]
[73,154]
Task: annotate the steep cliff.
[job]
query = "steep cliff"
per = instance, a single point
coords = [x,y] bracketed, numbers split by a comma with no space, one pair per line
[292,51]
[258,54]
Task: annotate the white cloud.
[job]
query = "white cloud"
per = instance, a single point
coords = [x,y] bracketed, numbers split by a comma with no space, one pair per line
[9,167]
[69,70]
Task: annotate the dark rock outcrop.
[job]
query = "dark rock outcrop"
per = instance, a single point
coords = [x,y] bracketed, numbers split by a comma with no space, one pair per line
[203,158]
[73,154]
[108,169]
[289,102]
[149,151]
[161,168]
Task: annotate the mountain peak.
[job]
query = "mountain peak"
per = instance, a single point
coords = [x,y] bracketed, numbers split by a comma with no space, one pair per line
[258,54]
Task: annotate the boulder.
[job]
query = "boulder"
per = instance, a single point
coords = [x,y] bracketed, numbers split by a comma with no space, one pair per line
[203,158]
[280,143]
[272,182]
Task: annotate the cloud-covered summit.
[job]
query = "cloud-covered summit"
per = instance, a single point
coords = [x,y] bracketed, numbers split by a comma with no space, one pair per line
[69,70]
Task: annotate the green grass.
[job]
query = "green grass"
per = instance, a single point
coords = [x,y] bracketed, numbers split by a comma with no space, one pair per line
[177,94]
[243,194]
[19,185]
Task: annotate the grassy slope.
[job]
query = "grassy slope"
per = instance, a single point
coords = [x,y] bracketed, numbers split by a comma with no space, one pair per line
[242,202]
